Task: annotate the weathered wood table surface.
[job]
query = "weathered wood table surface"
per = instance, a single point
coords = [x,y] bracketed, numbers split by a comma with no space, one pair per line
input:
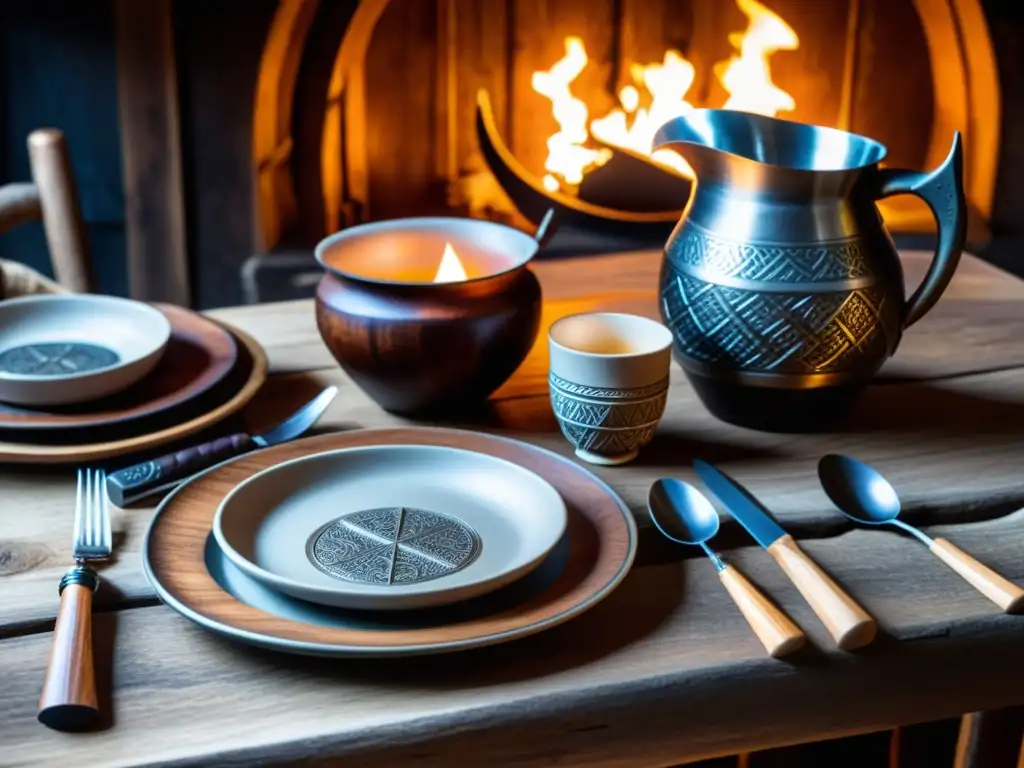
[666,670]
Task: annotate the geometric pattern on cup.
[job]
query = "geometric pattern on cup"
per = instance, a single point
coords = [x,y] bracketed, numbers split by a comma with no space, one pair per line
[607,421]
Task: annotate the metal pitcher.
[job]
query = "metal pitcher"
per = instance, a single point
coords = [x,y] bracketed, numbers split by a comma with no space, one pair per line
[781,285]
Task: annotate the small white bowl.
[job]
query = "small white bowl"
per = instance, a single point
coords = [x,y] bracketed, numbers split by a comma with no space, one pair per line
[72,348]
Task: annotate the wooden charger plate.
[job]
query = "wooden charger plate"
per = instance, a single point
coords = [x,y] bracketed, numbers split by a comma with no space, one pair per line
[592,559]
[200,354]
[154,431]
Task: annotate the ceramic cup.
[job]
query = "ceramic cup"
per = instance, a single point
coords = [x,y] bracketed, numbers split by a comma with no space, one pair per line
[609,382]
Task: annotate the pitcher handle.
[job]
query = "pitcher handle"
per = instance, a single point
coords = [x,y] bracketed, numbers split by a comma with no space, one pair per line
[943,190]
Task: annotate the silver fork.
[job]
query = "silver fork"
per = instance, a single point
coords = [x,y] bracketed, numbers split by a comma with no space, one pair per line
[68,701]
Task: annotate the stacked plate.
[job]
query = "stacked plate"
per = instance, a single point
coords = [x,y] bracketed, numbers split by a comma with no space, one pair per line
[389,542]
[85,377]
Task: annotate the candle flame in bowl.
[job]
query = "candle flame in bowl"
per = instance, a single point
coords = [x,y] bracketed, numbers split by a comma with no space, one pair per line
[450,270]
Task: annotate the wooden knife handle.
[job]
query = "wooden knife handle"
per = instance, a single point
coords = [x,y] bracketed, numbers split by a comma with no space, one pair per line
[127,485]
[846,621]
[775,630]
[68,701]
[1000,591]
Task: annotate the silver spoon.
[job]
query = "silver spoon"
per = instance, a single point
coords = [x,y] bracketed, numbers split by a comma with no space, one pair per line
[863,495]
[684,515]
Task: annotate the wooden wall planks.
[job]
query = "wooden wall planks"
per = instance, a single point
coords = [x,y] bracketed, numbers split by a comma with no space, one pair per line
[401,81]
[813,74]
[891,101]
[148,107]
[648,28]
[479,53]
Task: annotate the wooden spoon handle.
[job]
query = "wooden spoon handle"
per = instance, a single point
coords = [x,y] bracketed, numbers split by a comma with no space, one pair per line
[773,628]
[1000,591]
[68,701]
[846,621]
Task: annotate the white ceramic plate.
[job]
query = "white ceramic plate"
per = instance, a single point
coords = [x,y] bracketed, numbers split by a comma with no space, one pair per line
[390,527]
[64,349]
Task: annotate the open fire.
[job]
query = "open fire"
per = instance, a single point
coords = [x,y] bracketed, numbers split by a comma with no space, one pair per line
[657,95]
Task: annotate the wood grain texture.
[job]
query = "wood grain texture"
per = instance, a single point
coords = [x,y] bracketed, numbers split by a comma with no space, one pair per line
[991,739]
[628,282]
[17,279]
[147,97]
[813,73]
[62,215]
[971,472]
[199,355]
[42,453]
[69,689]
[434,349]
[999,590]
[400,79]
[848,623]
[777,633]
[644,679]
[481,51]
[272,119]
[603,543]
[19,204]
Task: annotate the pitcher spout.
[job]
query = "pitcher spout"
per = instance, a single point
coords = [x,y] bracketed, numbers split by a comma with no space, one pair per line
[740,138]
[690,140]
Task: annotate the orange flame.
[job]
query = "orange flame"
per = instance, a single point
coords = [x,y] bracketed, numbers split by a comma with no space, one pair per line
[450,270]
[746,77]
[567,159]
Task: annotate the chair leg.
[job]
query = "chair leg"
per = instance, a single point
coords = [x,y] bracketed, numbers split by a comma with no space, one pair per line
[62,216]
[991,739]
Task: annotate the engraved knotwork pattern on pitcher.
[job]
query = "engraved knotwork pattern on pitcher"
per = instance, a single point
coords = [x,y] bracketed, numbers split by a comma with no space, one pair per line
[768,262]
[801,333]
[393,545]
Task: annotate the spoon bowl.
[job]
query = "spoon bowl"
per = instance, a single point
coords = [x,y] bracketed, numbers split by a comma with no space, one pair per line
[684,515]
[859,491]
[863,495]
[681,512]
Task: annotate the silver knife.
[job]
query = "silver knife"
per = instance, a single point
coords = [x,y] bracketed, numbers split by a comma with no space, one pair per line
[133,483]
[849,624]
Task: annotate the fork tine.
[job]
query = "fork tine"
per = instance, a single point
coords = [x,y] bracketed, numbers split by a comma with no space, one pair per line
[90,508]
[97,511]
[79,509]
[106,534]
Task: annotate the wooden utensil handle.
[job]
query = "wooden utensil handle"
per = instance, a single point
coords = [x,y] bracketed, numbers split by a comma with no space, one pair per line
[127,485]
[846,621]
[68,701]
[1000,591]
[773,628]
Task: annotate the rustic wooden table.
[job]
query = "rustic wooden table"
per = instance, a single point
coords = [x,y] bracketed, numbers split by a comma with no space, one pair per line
[666,669]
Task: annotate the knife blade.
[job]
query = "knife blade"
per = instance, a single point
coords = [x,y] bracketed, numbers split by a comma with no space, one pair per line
[848,623]
[136,482]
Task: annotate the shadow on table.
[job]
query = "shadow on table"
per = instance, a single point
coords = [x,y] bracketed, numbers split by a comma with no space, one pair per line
[936,408]
[674,448]
[635,610]
[104,650]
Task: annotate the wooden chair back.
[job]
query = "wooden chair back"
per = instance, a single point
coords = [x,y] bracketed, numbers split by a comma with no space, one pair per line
[51,197]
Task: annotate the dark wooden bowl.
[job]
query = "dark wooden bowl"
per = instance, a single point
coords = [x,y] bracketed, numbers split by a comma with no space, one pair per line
[423,348]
